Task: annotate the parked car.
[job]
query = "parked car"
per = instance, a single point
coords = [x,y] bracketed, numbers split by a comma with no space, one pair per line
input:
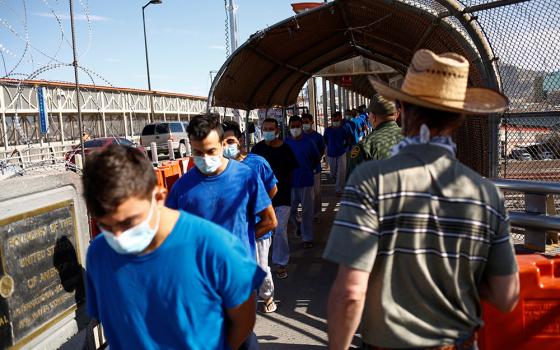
[547,155]
[97,144]
[160,133]
[520,154]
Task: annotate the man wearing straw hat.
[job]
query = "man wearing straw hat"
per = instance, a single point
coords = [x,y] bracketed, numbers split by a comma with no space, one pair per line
[420,238]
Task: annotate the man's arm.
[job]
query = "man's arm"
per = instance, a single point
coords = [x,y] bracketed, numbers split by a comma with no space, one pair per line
[501,291]
[267,223]
[273,191]
[240,322]
[345,306]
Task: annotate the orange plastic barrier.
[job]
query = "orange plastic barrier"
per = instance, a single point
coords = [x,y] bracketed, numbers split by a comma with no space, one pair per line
[185,164]
[170,172]
[159,176]
[535,322]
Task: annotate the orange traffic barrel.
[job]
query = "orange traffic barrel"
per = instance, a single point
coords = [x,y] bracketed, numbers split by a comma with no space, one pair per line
[535,321]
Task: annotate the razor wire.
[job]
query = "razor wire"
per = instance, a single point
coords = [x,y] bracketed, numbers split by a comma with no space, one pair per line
[53,61]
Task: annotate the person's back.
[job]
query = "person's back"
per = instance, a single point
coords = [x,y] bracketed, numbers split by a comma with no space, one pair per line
[153,267]
[437,221]
[420,238]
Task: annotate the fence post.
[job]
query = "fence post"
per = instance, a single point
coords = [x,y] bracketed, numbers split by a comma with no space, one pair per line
[153,150]
[535,238]
[170,150]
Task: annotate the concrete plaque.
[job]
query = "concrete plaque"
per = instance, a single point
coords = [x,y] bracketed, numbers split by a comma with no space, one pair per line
[41,258]
[38,255]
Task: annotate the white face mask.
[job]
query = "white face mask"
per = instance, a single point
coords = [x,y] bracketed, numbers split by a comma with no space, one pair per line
[135,239]
[306,127]
[208,164]
[295,132]
[231,151]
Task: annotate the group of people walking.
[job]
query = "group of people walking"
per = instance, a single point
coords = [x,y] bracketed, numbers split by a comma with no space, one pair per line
[420,239]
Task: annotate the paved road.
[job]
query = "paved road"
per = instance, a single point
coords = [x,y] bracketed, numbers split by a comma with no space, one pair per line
[300,321]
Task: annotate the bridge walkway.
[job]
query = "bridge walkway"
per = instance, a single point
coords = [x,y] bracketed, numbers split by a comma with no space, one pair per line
[300,321]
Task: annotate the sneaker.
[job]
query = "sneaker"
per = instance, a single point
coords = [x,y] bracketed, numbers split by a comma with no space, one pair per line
[269,306]
[281,272]
[308,245]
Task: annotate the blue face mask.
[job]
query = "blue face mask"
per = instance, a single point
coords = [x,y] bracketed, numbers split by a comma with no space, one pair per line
[231,151]
[208,164]
[135,239]
[269,135]
[336,124]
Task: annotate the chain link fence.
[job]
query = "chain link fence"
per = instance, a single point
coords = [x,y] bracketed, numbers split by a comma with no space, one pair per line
[525,38]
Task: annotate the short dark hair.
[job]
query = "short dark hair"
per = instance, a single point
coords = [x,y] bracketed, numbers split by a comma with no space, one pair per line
[114,174]
[202,125]
[271,120]
[230,125]
[436,119]
[307,116]
[336,114]
[294,118]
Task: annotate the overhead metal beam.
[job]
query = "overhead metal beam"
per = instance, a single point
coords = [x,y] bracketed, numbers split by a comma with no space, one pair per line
[483,7]
[278,62]
[307,64]
[275,69]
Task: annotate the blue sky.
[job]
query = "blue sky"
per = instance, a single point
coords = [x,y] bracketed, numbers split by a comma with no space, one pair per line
[186,39]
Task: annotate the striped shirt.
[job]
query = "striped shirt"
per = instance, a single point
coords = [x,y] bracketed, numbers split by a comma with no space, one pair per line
[428,229]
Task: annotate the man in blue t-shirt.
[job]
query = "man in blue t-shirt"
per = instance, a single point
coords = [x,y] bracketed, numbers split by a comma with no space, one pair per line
[223,191]
[159,278]
[336,140]
[363,114]
[234,150]
[307,121]
[308,157]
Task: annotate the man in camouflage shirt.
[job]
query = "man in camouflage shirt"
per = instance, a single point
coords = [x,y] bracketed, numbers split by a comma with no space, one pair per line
[386,134]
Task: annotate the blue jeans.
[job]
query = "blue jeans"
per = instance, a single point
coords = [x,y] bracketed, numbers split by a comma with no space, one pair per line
[251,343]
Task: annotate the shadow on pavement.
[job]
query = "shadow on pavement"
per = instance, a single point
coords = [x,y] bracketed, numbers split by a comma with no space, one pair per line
[300,320]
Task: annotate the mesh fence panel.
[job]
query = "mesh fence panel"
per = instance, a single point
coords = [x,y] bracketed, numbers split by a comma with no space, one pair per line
[525,39]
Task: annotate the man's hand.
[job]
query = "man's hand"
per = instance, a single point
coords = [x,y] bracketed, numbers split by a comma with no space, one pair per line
[345,306]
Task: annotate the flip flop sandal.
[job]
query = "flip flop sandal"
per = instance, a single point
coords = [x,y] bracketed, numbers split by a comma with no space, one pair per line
[269,306]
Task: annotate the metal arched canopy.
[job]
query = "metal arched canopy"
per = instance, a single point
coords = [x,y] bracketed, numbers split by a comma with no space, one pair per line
[272,66]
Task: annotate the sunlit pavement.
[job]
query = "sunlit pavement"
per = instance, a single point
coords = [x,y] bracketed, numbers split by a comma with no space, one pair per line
[300,321]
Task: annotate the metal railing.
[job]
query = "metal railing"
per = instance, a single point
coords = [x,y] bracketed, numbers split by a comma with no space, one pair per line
[29,160]
[539,219]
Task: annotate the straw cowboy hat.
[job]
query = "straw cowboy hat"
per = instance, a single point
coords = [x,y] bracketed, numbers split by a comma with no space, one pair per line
[440,82]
